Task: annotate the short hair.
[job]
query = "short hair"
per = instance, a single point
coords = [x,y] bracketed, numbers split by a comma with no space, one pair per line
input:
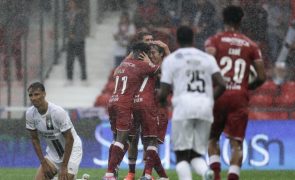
[140,47]
[159,48]
[141,34]
[185,35]
[36,85]
[232,15]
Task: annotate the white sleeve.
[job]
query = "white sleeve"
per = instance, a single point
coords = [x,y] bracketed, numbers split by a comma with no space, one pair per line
[167,71]
[62,120]
[30,124]
[214,66]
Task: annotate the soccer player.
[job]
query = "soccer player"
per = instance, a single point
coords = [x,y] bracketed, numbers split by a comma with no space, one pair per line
[234,53]
[146,113]
[145,37]
[64,146]
[128,77]
[189,73]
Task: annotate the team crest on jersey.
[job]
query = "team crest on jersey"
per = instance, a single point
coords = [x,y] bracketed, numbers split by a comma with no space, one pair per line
[49,123]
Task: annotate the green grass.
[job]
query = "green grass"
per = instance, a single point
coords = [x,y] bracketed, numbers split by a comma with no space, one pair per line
[96,174]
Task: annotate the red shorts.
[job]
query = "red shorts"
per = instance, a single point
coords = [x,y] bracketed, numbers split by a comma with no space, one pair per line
[163,123]
[120,117]
[230,116]
[148,118]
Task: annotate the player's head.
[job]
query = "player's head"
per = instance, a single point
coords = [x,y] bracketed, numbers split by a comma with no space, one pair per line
[37,93]
[157,54]
[185,36]
[232,15]
[140,47]
[144,36]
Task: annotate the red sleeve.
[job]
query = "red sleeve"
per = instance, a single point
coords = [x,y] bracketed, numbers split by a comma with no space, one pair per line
[210,42]
[149,68]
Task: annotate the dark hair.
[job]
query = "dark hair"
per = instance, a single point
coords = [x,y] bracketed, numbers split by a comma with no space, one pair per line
[141,34]
[185,35]
[36,85]
[232,15]
[140,47]
[159,48]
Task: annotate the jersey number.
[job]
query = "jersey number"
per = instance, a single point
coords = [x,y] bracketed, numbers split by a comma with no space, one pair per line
[195,83]
[239,66]
[124,80]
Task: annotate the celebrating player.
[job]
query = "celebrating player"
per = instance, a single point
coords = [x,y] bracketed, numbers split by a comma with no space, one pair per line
[234,53]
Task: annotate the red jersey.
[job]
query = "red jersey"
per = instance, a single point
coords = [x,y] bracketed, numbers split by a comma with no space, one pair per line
[145,97]
[128,78]
[234,54]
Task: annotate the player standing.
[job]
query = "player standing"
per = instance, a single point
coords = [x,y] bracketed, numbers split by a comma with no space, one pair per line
[234,53]
[64,146]
[128,77]
[189,73]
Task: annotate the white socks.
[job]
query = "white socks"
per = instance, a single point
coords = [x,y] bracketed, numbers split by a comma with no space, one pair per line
[199,165]
[183,170]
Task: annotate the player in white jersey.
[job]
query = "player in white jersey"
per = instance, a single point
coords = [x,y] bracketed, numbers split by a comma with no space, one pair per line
[189,72]
[51,122]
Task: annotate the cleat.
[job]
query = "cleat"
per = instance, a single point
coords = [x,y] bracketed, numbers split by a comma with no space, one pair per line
[130,176]
[145,178]
[163,178]
[209,175]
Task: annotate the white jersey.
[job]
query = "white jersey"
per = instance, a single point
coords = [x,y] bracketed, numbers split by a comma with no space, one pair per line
[50,126]
[190,71]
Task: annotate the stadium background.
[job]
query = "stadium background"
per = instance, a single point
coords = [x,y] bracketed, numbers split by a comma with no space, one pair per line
[268,143]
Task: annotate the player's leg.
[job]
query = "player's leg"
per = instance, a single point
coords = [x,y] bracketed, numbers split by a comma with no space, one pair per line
[201,136]
[40,174]
[132,155]
[235,130]
[215,132]
[182,139]
[74,162]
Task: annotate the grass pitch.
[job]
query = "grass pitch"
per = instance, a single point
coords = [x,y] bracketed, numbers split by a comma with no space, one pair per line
[97,174]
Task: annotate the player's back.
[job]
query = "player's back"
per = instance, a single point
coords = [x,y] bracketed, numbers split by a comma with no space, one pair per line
[234,54]
[191,72]
[128,77]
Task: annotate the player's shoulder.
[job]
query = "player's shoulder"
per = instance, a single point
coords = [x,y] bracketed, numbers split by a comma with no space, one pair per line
[55,109]
[30,112]
[249,40]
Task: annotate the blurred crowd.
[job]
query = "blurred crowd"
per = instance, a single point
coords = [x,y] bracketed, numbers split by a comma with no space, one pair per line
[265,21]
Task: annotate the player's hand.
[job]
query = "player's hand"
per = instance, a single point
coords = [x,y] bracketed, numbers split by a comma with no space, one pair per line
[63,175]
[160,43]
[143,56]
[48,170]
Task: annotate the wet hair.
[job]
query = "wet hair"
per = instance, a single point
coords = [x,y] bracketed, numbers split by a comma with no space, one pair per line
[185,35]
[232,15]
[140,47]
[141,34]
[159,48]
[36,85]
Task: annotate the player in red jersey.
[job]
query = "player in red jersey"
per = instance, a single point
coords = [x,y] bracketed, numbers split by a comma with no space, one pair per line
[146,113]
[234,53]
[128,77]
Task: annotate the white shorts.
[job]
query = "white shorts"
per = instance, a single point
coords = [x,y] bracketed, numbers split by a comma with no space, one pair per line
[191,134]
[74,161]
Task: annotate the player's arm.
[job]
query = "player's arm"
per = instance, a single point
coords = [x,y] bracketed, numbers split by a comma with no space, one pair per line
[48,170]
[219,83]
[164,91]
[68,150]
[164,46]
[261,76]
